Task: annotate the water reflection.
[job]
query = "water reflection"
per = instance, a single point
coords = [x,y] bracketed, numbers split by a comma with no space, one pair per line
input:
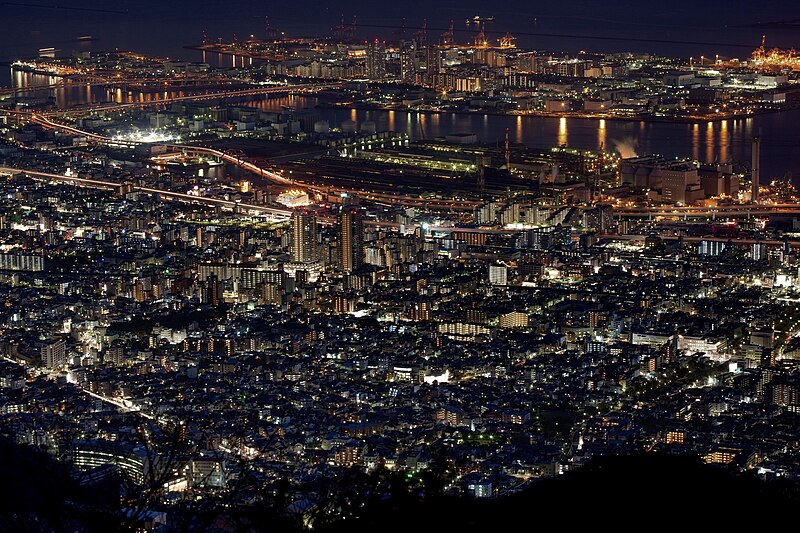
[68,94]
[710,143]
[725,141]
[601,134]
[728,141]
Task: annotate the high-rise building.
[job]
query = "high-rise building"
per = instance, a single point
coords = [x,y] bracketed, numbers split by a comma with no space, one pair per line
[304,237]
[376,60]
[212,291]
[54,353]
[433,60]
[755,172]
[408,58]
[351,239]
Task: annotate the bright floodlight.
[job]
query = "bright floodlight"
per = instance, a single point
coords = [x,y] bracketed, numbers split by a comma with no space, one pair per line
[146,136]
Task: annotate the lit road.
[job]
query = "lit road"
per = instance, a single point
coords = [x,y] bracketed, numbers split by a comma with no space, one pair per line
[730,211]
[726,211]
[112,401]
[119,404]
[714,238]
[12,91]
[389,199]
[280,214]
[268,89]
[273,213]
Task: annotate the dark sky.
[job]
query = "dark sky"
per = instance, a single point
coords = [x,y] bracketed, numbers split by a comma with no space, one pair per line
[164,26]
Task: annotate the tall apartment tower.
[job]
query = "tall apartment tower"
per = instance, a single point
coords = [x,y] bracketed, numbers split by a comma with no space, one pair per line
[376,60]
[351,239]
[304,237]
[755,172]
[408,56]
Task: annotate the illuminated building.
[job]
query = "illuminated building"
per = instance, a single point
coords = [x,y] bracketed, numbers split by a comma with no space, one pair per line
[712,248]
[717,179]
[498,275]
[722,455]
[433,61]
[481,488]
[344,304]
[451,415]
[421,312]
[305,252]
[376,60]
[213,291]
[272,293]
[304,237]
[294,198]
[351,240]
[133,464]
[712,347]
[408,69]
[208,472]
[462,329]
[785,392]
[678,79]
[54,353]
[675,436]
[514,319]
[33,263]
[348,454]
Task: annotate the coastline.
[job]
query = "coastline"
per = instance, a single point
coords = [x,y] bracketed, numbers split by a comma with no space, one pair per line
[574,116]
[535,114]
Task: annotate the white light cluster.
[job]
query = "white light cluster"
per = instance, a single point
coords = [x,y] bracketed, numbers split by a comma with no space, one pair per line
[146,136]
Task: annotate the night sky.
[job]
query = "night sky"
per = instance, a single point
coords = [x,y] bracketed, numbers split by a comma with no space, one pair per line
[165,26]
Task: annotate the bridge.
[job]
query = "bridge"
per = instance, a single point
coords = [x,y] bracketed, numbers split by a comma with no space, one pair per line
[280,214]
[218,95]
[747,241]
[16,91]
[725,211]
[116,80]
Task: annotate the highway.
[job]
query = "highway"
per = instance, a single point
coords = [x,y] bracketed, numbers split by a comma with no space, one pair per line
[267,89]
[279,214]
[273,213]
[388,199]
[711,238]
[218,95]
[725,211]
[730,211]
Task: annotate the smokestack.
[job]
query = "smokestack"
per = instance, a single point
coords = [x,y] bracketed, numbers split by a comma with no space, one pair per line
[755,175]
